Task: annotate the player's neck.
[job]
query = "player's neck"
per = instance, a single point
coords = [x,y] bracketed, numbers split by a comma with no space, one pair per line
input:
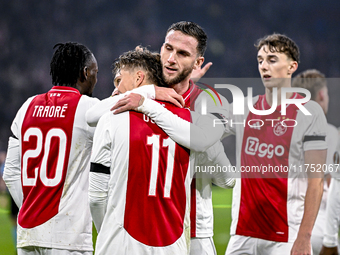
[182,87]
[269,96]
[146,82]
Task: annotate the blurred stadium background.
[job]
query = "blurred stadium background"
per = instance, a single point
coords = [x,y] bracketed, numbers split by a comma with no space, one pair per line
[30,29]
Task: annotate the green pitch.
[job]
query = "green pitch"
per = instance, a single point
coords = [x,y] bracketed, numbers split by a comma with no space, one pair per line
[6,241]
[222,219]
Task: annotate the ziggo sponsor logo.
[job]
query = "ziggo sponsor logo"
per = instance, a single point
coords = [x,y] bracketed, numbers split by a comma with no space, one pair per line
[254,147]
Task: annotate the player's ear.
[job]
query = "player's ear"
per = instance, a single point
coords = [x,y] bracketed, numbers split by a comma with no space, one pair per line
[83,74]
[293,65]
[140,76]
[198,63]
[321,95]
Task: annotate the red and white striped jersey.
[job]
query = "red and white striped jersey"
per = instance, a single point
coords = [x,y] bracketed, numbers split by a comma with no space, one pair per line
[269,204]
[149,186]
[201,194]
[55,146]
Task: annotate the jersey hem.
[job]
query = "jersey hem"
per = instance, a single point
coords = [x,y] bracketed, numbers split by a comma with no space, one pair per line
[265,237]
[54,246]
[203,235]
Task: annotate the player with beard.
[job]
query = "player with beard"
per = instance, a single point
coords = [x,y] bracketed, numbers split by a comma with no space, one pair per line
[273,213]
[139,177]
[181,54]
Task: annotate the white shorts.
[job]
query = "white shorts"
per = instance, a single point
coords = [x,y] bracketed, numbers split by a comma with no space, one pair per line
[35,250]
[244,245]
[202,246]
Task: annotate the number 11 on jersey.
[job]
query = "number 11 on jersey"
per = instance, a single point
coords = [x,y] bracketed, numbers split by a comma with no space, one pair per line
[154,141]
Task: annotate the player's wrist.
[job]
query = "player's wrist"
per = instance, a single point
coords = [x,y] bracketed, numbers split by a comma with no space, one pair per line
[141,101]
[144,105]
[304,235]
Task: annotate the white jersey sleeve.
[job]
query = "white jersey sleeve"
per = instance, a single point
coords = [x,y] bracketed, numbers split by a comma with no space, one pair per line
[315,127]
[98,187]
[93,114]
[331,229]
[335,173]
[332,142]
[197,136]
[321,220]
[12,170]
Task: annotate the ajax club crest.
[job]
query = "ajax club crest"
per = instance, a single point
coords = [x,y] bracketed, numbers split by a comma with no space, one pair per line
[280,128]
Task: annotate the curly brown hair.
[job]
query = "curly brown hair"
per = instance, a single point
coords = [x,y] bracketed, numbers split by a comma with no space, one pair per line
[142,58]
[280,43]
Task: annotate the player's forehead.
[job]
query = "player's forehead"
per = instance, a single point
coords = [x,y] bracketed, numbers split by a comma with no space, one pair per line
[266,52]
[181,41]
[117,74]
[123,72]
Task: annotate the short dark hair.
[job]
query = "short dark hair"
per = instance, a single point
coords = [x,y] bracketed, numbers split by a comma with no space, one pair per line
[142,58]
[280,43]
[194,30]
[68,62]
[311,79]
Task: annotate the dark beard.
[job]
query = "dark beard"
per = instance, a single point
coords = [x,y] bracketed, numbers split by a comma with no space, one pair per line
[182,76]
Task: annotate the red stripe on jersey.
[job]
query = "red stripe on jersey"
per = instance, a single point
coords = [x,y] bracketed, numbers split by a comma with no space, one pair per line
[263,205]
[46,141]
[156,193]
[191,95]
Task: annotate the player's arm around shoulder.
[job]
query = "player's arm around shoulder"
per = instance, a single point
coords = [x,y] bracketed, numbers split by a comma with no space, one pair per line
[102,140]
[98,109]
[205,131]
